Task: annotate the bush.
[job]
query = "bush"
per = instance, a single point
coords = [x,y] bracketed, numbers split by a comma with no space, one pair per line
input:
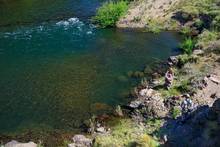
[187,46]
[109,13]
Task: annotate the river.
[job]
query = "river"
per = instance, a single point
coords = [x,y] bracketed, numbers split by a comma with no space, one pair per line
[57,69]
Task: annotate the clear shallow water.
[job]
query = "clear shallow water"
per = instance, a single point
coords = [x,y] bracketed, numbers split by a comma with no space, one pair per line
[55,74]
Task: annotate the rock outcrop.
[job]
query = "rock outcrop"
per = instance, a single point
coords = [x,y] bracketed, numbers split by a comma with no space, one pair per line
[80,141]
[200,129]
[148,104]
[14,143]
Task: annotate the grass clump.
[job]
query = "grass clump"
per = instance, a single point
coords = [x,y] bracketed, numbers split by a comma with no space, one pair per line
[173,91]
[187,46]
[183,59]
[206,37]
[109,13]
[186,31]
[147,141]
[175,112]
[216,23]
[184,86]
[154,26]
[125,133]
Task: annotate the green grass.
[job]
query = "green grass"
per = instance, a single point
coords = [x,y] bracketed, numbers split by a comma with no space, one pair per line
[206,37]
[184,86]
[109,13]
[173,91]
[154,26]
[184,59]
[175,112]
[125,133]
[187,46]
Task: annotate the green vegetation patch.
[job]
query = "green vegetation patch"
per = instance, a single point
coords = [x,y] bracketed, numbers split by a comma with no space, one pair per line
[109,13]
[175,112]
[154,26]
[125,133]
[206,38]
[187,46]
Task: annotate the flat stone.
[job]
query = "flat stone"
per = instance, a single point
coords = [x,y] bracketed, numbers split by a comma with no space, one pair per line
[198,52]
[15,143]
[135,104]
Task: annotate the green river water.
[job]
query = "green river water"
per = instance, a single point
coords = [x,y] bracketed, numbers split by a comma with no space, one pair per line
[57,69]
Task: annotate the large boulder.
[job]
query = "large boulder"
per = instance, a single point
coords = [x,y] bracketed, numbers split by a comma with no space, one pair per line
[155,107]
[148,104]
[14,143]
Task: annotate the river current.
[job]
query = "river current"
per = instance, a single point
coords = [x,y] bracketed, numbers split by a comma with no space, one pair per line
[57,69]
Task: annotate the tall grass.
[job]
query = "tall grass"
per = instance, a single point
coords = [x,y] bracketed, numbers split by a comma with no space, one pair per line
[109,13]
[187,46]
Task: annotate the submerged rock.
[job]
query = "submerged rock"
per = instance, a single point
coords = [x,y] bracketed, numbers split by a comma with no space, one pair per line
[15,143]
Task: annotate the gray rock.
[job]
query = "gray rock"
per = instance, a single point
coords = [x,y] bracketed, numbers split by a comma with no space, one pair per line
[14,143]
[101,130]
[155,83]
[173,60]
[135,104]
[80,141]
[198,52]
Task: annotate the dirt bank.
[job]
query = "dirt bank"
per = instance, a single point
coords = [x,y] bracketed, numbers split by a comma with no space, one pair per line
[141,13]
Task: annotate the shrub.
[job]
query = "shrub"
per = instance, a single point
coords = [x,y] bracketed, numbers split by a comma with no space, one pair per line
[187,46]
[109,13]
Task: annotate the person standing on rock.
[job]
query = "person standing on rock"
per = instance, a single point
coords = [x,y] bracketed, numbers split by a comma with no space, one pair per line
[169,76]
